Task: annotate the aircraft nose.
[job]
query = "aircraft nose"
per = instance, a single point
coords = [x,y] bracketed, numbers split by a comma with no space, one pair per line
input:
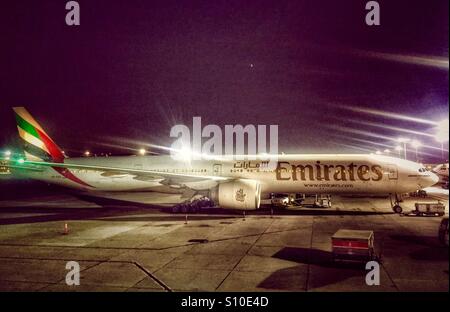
[429,180]
[434,178]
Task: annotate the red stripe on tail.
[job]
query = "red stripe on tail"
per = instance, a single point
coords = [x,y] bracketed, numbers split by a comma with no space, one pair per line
[52,148]
[69,175]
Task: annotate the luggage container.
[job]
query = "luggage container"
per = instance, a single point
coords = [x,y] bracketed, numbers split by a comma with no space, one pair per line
[353,245]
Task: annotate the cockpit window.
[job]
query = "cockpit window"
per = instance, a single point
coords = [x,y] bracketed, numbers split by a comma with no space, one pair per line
[422,170]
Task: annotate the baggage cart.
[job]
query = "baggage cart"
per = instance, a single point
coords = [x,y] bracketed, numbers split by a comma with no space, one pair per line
[353,245]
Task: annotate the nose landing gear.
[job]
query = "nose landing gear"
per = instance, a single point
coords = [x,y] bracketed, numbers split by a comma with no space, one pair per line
[395,204]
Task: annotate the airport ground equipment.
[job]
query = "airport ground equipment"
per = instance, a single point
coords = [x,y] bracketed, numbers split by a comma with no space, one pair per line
[280,200]
[418,193]
[427,209]
[323,201]
[353,245]
[443,231]
[315,200]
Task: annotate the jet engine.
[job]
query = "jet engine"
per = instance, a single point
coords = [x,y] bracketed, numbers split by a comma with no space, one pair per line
[242,194]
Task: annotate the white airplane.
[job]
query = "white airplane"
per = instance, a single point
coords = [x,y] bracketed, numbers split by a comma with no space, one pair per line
[231,184]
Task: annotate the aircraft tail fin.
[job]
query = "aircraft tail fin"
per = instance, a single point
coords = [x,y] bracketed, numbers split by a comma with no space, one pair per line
[37,145]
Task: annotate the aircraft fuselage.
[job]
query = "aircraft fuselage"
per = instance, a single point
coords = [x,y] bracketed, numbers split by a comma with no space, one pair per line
[308,174]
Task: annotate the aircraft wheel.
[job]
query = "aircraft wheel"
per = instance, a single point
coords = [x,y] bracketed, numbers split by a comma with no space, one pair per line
[397,209]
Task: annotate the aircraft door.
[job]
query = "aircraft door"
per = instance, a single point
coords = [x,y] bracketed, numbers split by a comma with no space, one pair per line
[217,169]
[392,172]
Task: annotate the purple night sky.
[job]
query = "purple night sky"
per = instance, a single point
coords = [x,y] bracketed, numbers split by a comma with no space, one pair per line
[132,69]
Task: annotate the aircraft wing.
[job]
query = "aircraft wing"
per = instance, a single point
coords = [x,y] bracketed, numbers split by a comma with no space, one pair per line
[20,166]
[142,174]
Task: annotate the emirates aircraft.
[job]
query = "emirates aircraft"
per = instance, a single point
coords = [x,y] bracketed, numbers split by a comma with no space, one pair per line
[229,183]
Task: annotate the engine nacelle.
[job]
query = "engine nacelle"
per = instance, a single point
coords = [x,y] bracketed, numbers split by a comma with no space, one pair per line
[241,194]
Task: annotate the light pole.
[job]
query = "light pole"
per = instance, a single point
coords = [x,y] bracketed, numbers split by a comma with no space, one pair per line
[442,135]
[398,148]
[441,140]
[404,141]
[416,144]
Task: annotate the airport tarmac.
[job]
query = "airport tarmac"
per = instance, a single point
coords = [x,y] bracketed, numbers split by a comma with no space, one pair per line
[126,247]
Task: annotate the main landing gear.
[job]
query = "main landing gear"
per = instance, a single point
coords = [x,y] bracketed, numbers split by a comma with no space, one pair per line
[395,203]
